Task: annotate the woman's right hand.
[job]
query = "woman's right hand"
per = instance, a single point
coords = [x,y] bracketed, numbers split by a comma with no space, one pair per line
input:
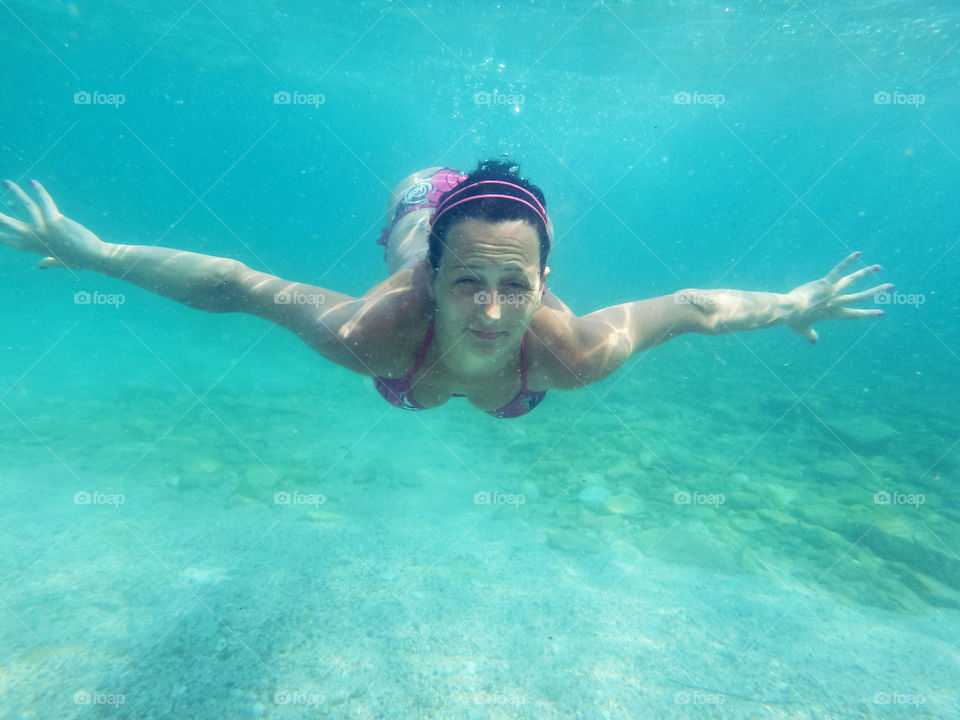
[62,242]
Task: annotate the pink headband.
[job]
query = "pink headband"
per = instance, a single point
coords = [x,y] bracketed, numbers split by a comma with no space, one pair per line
[536,206]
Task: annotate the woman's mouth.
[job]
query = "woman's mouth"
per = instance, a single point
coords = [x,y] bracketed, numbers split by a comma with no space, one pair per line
[488,335]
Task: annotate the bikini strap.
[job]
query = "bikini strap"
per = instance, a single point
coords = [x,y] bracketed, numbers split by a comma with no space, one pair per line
[421,353]
[523,365]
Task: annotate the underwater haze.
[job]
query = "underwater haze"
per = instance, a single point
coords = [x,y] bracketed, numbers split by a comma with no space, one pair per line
[202,518]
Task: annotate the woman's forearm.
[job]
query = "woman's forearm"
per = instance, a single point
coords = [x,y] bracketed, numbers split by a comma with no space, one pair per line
[727,311]
[189,278]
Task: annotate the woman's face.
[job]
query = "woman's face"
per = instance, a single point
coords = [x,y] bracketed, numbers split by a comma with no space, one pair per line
[486,290]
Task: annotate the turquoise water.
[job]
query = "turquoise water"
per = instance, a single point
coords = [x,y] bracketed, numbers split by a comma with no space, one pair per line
[788,590]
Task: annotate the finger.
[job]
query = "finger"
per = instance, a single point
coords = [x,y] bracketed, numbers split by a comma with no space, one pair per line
[13,225]
[851,314]
[853,277]
[29,205]
[808,334]
[841,267]
[9,240]
[47,206]
[49,262]
[863,295]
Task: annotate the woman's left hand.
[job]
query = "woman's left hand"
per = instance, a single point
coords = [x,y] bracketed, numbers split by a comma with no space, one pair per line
[822,299]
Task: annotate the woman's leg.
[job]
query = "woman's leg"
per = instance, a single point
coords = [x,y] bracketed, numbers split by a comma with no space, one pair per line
[409,211]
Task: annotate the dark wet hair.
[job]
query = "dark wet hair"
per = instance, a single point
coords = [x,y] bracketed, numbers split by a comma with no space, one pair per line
[490,209]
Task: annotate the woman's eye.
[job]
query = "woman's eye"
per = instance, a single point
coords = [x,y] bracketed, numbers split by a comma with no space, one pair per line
[466,281]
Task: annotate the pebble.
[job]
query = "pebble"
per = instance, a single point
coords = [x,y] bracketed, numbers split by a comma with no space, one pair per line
[865,433]
[593,496]
[625,504]
[530,490]
[573,541]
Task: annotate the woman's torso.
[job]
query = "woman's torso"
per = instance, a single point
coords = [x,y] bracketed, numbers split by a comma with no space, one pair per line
[393,334]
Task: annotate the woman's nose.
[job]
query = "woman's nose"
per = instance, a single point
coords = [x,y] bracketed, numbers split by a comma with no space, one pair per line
[492,307]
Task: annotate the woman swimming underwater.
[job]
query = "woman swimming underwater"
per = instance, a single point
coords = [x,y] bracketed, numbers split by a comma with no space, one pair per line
[464,311]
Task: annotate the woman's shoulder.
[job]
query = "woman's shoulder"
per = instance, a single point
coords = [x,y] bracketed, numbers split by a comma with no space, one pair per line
[552,349]
[391,322]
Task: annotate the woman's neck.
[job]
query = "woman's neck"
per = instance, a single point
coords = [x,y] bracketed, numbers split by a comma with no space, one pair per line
[464,371]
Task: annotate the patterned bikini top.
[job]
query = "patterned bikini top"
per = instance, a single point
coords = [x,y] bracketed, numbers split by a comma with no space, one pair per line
[397,391]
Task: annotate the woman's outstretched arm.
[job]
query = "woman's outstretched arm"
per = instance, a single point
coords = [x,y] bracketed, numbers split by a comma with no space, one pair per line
[603,340]
[320,317]
[204,282]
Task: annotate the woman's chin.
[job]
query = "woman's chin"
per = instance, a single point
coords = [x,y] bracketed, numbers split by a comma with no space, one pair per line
[477,351]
